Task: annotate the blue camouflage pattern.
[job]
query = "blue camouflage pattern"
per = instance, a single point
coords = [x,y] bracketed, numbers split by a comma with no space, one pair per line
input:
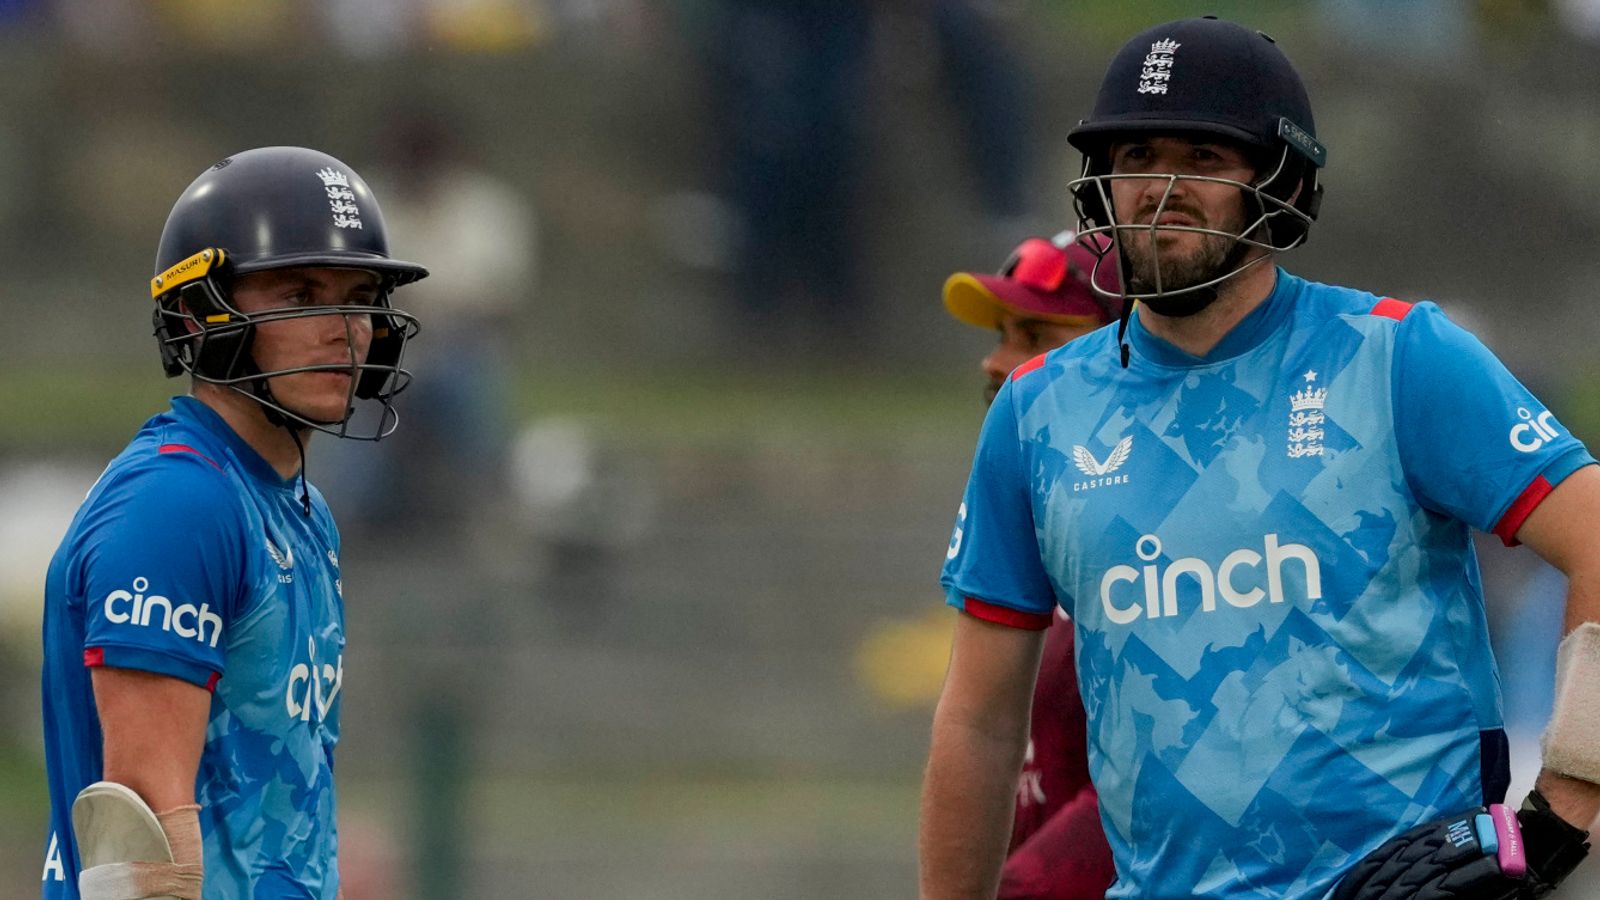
[1266,556]
[191,558]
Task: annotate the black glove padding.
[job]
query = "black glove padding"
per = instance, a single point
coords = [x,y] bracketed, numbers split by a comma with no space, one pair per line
[1443,860]
[1438,860]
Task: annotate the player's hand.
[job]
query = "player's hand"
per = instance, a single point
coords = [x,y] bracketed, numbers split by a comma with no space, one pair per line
[1487,853]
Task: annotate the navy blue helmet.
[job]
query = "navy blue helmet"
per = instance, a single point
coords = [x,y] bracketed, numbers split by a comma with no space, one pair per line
[1207,78]
[275,208]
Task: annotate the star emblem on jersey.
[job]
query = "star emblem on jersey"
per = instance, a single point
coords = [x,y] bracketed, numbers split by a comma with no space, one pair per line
[1100,472]
[1157,69]
[1306,418]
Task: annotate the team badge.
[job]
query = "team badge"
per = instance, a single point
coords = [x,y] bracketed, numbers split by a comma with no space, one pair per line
[1306,418]
[1157,71]
[341,200]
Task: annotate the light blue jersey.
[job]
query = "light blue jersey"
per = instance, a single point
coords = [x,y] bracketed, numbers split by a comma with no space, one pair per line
[192,558]
[1266,555]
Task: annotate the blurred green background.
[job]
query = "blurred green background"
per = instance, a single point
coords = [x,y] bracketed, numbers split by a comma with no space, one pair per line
[642,596]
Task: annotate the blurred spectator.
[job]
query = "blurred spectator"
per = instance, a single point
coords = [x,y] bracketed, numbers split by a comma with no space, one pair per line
[789,84]
[994,102]
[450,457]
[792,83]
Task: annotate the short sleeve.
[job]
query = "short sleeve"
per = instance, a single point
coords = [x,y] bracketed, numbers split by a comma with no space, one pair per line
[162,569]
[992,568]
[1475,444]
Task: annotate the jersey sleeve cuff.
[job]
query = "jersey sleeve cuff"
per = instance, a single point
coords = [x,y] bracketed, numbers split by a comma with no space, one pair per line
[1511,522]
[1000,614]
[112,656]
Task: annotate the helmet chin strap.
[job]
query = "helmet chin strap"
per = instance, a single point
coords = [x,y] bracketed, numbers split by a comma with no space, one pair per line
[1183,305]
[262,394]
[305,492]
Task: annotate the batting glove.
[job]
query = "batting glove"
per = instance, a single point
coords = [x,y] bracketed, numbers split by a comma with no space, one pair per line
[1489,853]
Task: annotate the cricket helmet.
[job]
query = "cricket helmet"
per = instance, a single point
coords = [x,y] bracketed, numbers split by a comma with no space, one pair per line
[1206,77]
[276,208]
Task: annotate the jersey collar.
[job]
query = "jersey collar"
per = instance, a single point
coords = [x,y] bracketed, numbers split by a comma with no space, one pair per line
[1251,332]
[192,411]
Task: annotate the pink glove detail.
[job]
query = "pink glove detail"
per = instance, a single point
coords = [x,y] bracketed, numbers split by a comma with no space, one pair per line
[1513,859]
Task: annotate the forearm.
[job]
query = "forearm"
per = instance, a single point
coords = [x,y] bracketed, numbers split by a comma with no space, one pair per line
[1574,799]
[967,806]
[1561,530]
[154,730]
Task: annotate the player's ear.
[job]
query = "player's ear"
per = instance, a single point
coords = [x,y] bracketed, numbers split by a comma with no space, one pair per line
[190,323]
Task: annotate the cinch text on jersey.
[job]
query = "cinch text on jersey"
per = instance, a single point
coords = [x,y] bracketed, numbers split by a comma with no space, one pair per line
[1161,589]
[142,608]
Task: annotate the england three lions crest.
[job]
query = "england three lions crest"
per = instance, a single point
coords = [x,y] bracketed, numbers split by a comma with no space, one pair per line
[1157,70]
[1306,418]
[341,199]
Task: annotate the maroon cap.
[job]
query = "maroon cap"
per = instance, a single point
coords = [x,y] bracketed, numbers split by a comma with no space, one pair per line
[1042,280]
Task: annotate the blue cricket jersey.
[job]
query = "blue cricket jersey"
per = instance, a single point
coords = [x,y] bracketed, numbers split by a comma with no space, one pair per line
[191,558]
[1266,555]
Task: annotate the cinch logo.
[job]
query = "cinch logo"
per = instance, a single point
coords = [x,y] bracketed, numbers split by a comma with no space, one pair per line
[1543,429]
[310,689]
[140,609]
[1161,588]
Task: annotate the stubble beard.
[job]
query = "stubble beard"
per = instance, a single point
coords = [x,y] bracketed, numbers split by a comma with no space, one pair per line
[1176,271]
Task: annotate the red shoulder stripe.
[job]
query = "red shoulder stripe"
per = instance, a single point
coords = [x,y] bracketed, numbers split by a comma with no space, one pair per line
[1392,308]
[1522,507]
[185,448]
[1027,367]
[1005,615]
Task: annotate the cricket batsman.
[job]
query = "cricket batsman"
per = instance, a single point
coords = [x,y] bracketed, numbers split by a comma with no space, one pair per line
[194,613]
[1254,497]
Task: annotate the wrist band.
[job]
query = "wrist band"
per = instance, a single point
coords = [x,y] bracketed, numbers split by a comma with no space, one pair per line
[1508,831]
